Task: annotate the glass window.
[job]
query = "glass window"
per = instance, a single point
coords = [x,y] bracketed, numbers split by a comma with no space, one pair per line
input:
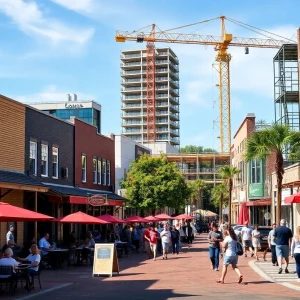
[108,172]
[83,168]
[255,171]
[54,162]
[99,170]
[44,160]
[103,172]
[95,170]
[33,158]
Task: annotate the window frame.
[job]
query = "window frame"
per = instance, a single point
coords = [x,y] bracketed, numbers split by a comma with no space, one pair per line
[35,159]
[256,166]
[83,170]
[56,168]
[99,173]
[47,161]
[95,171]
[108,171]
[104,172]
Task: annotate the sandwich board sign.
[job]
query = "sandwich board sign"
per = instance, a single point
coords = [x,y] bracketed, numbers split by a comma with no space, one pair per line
[105,260]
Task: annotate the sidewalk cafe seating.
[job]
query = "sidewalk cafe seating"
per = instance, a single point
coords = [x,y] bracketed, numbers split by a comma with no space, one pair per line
[37,275]
[9,279]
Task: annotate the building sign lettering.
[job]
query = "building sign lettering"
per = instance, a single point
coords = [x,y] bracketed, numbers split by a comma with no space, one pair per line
[98,200]
[73,105]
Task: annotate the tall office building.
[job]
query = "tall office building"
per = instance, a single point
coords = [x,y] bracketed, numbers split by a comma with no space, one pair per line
[87,111]
[134,95]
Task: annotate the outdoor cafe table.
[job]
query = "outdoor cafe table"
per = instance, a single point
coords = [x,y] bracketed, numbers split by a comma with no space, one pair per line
[58,255]
[79,253]
[22,273]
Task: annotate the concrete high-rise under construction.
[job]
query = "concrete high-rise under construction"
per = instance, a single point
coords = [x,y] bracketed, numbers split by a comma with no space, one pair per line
[134,96]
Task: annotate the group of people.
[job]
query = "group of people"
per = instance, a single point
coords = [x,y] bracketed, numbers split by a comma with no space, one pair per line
[281,242]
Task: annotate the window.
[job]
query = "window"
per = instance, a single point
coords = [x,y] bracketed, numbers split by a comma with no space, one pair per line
[103,171]
[95,170]
[83,168]
[99,171]
[44,161]
[55,162]
[255,171]
[33,158]
[108,172]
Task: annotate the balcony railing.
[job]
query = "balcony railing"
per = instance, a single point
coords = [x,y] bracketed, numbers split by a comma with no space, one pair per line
[200,170]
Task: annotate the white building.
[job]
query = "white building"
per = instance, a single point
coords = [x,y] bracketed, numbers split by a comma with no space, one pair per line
[134,92]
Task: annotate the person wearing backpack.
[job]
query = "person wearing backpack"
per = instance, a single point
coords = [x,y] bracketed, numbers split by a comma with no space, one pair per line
[231,245]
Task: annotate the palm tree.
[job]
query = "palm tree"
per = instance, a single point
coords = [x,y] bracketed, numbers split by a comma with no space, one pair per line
[220,197]
[228,172]
[279,139]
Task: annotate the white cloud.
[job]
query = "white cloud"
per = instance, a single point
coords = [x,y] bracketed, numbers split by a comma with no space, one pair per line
[31,20]
[85,6]
[50,93]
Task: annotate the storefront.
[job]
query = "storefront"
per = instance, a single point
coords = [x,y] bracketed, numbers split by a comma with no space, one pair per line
[260,212]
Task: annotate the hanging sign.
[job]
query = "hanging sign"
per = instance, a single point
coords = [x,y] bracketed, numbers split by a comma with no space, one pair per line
[98,200]
[105,260]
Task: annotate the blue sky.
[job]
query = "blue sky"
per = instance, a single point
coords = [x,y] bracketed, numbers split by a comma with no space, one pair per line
[53,47]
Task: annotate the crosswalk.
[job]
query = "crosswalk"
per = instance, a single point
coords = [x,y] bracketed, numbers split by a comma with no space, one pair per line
[272,272]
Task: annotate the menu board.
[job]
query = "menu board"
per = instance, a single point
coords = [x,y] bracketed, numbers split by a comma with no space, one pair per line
[105,260]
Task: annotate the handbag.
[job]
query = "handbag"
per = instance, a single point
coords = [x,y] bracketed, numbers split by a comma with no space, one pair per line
[239,249]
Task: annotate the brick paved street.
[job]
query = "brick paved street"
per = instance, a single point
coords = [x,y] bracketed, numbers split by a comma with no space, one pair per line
[186,276]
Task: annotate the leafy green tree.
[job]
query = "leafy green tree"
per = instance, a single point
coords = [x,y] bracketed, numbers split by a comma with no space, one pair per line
[220,198]
[279,139]
[156,183]
[196,188]
[228,172]
[196,149]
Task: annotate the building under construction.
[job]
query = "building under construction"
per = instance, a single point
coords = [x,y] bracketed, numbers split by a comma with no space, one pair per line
[286,86]
[135,100]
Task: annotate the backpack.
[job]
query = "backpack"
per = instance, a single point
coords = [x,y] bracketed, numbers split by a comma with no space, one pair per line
[239,249]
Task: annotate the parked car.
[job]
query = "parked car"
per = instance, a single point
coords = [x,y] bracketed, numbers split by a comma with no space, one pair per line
[202,227]
[264,233]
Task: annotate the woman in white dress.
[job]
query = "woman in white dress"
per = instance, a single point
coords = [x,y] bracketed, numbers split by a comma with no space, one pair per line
[256,240]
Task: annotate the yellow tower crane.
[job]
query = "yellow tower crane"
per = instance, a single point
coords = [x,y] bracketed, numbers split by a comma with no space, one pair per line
[152,34]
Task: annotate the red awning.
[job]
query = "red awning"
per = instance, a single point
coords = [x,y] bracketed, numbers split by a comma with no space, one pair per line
[292,199]
[261,202]
[83,200]
[243,215]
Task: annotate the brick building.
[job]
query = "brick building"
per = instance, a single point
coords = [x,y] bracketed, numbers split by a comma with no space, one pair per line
[253,184]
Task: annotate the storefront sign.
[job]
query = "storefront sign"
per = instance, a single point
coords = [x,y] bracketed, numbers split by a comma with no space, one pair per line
[256,190]
[98,200]
[105,260]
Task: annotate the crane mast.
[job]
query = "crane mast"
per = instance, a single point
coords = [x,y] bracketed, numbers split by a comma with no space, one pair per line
[222,65]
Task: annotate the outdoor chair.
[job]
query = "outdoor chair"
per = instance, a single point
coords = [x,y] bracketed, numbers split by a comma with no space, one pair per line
[37,275]
[11,280]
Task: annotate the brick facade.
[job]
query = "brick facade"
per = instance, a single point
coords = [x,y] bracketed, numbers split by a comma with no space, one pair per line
[93,145]
[45,129]
[12,131]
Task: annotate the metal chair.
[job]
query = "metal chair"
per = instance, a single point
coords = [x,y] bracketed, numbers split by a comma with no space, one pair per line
[36,275]
[11,279]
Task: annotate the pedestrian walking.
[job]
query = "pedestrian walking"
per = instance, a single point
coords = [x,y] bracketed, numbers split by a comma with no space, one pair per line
[175,236]
[147,241]
[283,238]
[246,239]
[165,240]
[153,238]
[231,257]
[214,238]
[256,241]
[136,238]
[189,234]
[295,250]
[272,245]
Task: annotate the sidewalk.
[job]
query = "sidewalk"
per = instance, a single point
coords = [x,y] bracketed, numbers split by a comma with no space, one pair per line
[184,276]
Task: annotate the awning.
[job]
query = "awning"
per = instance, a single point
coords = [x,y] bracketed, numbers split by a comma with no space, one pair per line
[73,195]
[20,181]
[261,202]
[292,199]
[243,215]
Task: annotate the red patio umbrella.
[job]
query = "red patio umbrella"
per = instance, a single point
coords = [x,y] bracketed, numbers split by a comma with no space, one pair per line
[184,216]
[152,219]
[243,215]
[163,217]
[292,199]
[80,218]
[13,213]
[136,219]
[110,219]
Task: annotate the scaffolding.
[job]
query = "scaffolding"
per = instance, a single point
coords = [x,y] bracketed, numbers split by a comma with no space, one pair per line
[286,86]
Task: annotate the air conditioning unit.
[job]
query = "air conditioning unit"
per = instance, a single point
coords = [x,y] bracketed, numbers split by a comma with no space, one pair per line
[65,172]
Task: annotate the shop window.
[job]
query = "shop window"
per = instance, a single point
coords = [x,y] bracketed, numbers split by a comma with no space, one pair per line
[103,171]
[95,170]
[99,169]
[108,172]
[55,162]
[33,158]
[255,171]
[83,168]
[44,161]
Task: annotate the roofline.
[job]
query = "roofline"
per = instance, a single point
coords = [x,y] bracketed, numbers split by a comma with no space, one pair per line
[240,127]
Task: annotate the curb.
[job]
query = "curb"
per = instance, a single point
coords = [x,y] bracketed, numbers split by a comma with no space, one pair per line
[260,272]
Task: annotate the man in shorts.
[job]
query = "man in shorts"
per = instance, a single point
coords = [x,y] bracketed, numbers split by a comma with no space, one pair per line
[146,236]
[246,239]
[283,238]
